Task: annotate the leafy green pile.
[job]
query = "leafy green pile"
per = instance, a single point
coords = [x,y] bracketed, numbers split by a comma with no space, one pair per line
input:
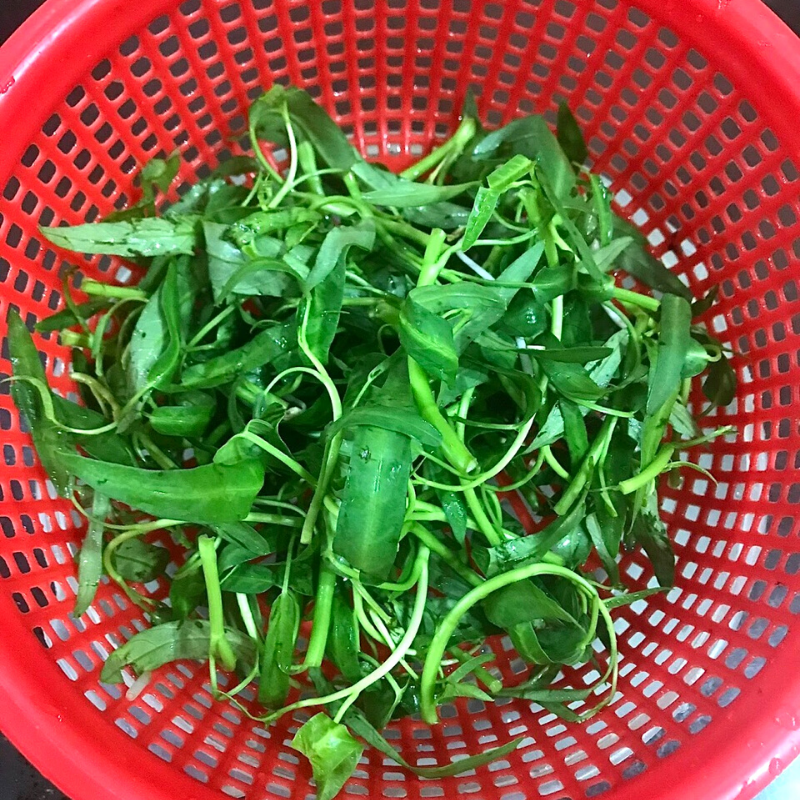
[324,388]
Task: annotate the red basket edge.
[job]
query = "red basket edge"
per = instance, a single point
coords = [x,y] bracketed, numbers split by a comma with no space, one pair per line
[78,763]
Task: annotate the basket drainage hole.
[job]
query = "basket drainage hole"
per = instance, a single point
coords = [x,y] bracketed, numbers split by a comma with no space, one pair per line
[67,669]
[158,750]
[126,726]
[193,772]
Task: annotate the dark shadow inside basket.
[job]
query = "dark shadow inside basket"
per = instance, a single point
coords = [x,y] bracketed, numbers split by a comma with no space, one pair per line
[692,161]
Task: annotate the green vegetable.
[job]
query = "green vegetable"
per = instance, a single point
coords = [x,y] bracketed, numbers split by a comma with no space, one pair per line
[212,493]
[167,361]
[374,500]
[144,237]
[187,590]
[190,418]
[321,391]
[332,751]
[360,726]
[335,247]
[264,348]
[135,560]
[342,645]
[570,137]
[428,339]
[528,549]
[399,420]
[30,393]
[409,193]
[170,641]
[68,317]
[90,559]
[673,347]
[276,654]
[532,138]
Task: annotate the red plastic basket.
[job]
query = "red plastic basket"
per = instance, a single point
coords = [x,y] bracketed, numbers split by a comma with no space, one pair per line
[691,109]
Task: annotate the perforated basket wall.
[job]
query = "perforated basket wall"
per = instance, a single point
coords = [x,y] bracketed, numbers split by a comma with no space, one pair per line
[691,110]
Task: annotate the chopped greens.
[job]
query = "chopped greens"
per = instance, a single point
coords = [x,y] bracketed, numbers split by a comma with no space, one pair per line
[331,388]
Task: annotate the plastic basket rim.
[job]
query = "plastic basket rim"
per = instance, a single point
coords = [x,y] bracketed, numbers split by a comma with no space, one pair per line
[731,764]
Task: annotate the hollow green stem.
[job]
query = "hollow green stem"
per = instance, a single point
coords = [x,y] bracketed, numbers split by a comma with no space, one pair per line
[273,519]
[320,492]
[557,238]
[73,339]
[247,392]
[288,461]
[530,475]
[606,410]
[485,525]
[403,585]
[156,453]
[463,411]
[361,301]
[209,326]
[404,229]
[323,605]
[334,445]
[219,645]
[344,708]
[288,184]
[636,299]
[584,473]
[355,192]
[455,144]
[363,617]
[98,289]
[426,512]
[262,160]
[492,506]
[446,554]
[502,463]
[519,239]
[432,261]
[554,463]
[394,658]
[389,640]
[686,390]
[322,377]
[341,206]
[723,431]
[308,161]
[99,390]
[374,605]
[246,612]
[649,473]
[557,320]
[454,449]
[98,338]
[243,684]
[274,503]
[510,455]
[447,626]
[49,408]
